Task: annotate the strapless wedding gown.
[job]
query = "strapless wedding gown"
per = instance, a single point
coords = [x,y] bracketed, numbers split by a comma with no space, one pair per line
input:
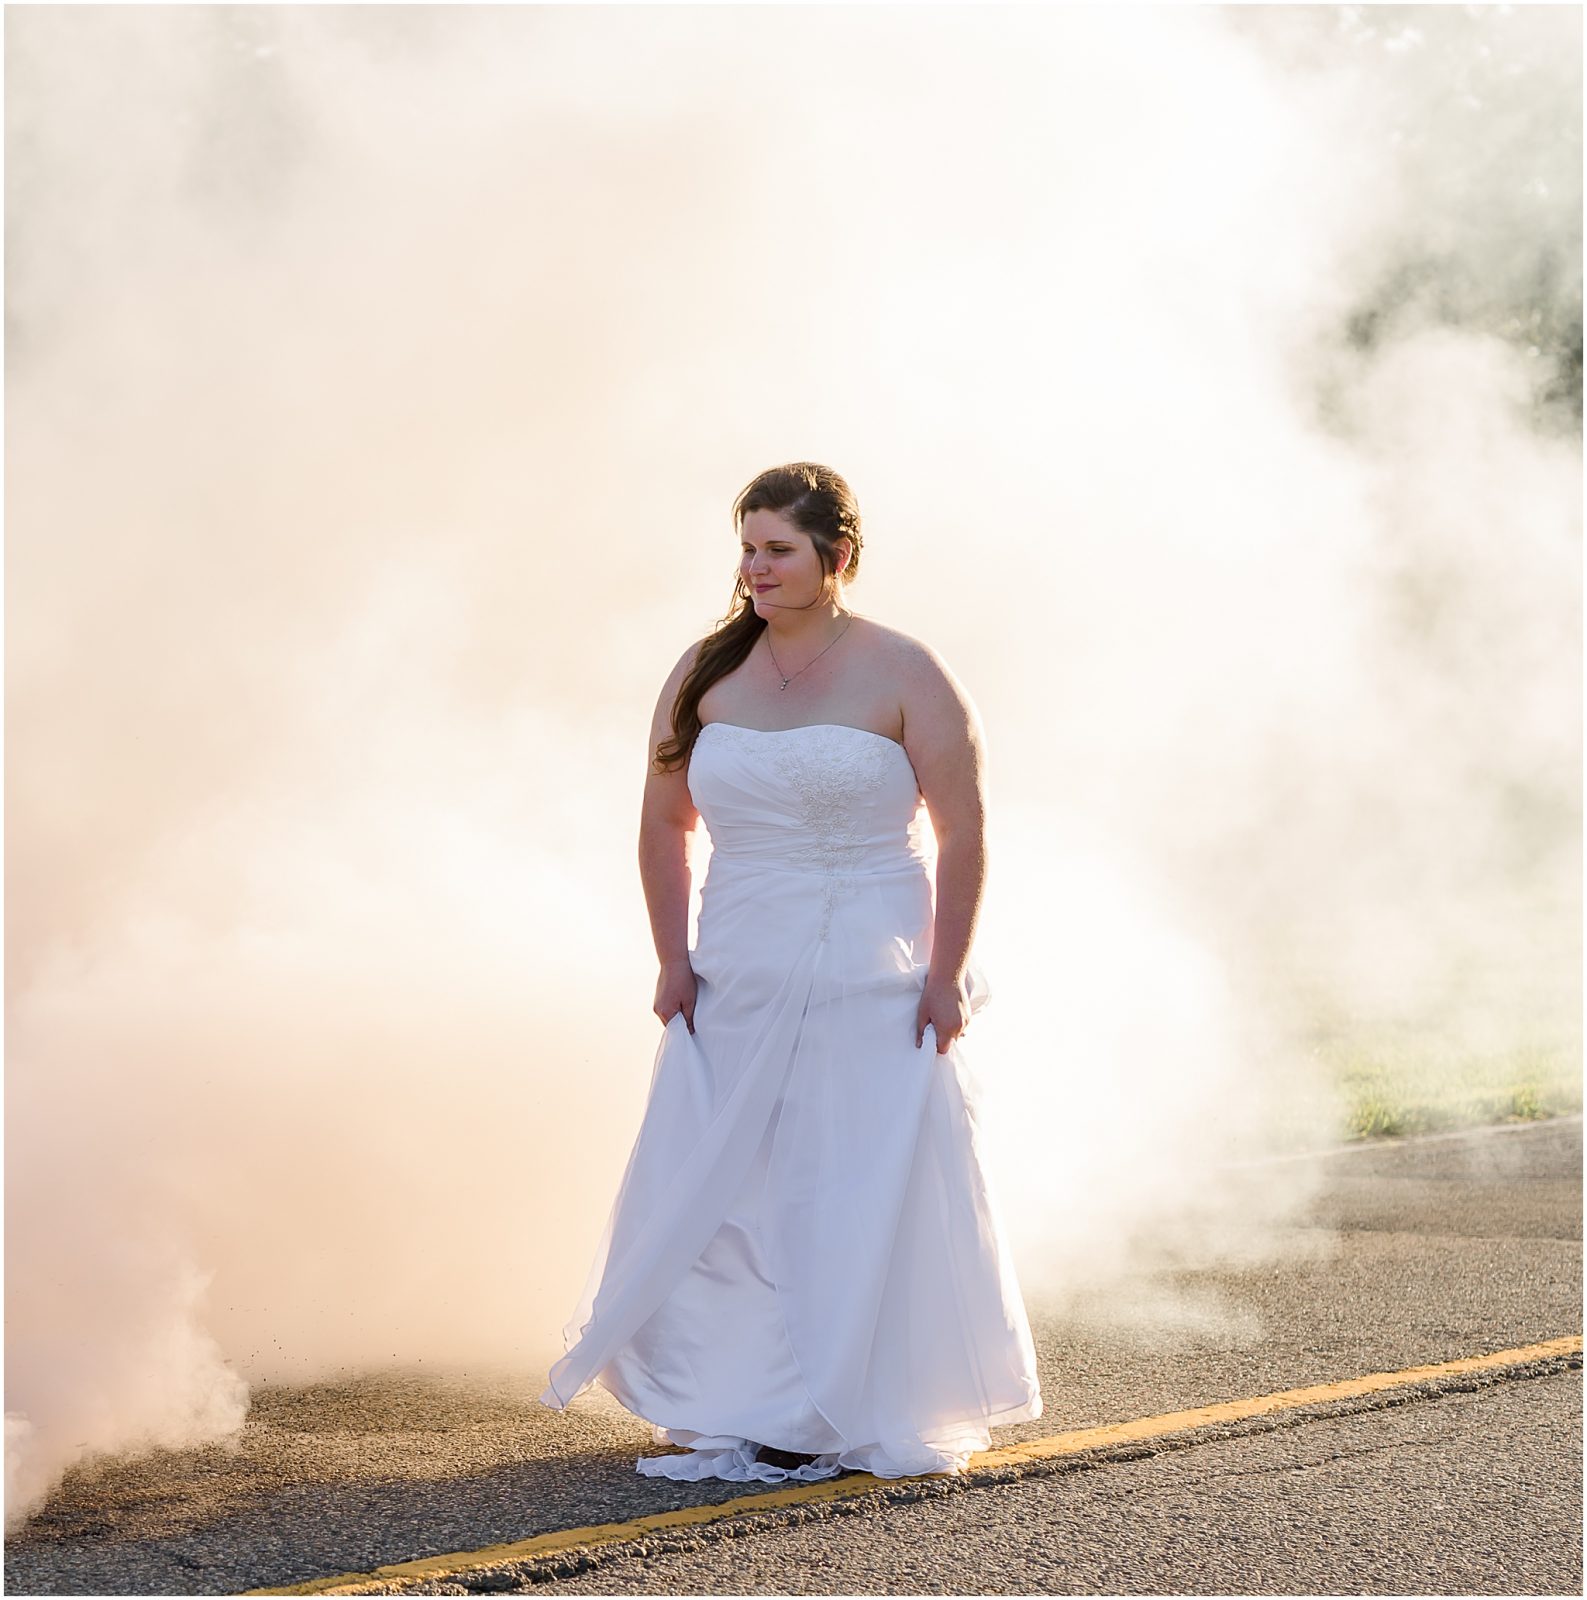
[803,1251]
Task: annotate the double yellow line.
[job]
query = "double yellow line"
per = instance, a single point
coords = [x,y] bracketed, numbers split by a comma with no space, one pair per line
[382,1579]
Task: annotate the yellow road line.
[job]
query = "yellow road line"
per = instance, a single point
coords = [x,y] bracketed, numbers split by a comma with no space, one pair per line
[1062,1444]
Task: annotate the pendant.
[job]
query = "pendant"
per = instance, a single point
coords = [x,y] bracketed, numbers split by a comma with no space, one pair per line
[786,682]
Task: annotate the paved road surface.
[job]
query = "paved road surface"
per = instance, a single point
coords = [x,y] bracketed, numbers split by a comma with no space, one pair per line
[1431,1250]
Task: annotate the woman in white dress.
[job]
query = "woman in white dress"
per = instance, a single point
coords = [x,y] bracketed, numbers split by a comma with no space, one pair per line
[804,1271]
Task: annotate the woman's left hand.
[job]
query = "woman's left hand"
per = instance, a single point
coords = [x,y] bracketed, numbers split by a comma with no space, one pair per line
[945,1004]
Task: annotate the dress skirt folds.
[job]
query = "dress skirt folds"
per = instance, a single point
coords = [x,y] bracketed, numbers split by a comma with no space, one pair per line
[803,1251]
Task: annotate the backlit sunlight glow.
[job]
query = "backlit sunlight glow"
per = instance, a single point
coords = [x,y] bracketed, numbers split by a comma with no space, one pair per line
[379,382]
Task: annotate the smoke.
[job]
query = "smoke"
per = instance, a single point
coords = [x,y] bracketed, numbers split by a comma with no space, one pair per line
[378,383]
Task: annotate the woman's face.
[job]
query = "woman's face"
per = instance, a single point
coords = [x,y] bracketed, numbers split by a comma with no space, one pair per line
[778,562]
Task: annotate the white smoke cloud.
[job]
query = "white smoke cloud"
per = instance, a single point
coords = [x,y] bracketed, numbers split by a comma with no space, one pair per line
[379,382]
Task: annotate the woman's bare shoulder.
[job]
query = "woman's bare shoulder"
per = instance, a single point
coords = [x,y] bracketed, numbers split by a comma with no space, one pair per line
[681,666]
[909,657]
[661,720]
[937,710]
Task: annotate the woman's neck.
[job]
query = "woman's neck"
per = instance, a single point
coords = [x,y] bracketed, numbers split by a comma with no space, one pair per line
[815,627]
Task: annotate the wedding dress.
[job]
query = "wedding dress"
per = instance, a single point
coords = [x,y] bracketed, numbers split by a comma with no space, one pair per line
[803,1251]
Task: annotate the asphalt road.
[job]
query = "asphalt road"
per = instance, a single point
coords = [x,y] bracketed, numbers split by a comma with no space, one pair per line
[1467,1494]
[1417,1252]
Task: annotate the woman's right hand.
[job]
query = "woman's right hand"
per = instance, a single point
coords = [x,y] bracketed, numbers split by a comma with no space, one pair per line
[675,991]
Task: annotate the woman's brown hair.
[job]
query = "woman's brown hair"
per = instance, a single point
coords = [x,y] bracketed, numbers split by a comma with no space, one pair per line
[817,502]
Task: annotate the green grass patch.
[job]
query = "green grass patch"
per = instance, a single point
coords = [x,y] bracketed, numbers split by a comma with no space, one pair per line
[1410,1086]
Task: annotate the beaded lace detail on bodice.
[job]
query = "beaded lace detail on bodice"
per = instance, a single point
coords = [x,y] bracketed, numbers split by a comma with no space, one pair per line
[838,800]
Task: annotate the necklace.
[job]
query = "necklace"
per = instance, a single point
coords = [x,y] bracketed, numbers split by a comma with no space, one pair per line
[810,663]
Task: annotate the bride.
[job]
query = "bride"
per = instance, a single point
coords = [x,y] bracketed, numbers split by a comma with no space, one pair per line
[804,1270]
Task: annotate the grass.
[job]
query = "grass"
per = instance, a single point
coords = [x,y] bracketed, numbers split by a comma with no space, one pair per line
[1404,1086]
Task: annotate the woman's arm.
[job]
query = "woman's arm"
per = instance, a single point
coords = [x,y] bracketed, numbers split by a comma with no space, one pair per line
[667,817]
[946,746]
